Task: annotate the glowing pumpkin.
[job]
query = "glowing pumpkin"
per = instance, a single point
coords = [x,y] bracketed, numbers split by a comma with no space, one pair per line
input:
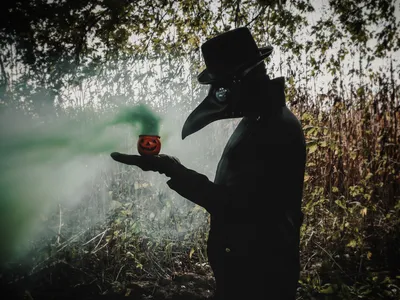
[149,144]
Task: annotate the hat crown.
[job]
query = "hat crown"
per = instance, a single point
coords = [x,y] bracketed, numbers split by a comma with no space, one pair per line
[230,53]
[227,52]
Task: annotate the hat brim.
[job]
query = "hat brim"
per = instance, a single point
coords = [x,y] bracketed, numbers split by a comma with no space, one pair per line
[205,77]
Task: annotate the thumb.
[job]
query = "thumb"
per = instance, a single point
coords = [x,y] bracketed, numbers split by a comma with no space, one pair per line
[125,158]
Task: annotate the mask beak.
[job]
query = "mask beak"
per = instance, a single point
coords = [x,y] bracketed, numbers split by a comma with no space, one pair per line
[207,112]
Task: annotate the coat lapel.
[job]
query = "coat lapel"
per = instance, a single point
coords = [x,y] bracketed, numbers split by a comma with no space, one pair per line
[237,136]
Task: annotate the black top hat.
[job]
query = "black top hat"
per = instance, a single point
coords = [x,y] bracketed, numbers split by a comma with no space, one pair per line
[229,54]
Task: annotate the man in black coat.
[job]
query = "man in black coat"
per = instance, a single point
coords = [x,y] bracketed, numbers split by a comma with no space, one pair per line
[255,199]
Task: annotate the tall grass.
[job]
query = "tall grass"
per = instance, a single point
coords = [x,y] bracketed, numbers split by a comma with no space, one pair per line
[352,190]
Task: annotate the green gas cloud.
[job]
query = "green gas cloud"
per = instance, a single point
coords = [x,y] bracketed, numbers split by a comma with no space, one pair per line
[141,117]
[43,163]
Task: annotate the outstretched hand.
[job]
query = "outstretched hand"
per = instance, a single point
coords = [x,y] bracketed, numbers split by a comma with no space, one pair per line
[163,164]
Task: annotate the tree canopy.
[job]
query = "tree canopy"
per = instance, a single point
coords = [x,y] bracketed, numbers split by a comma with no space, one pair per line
[56,40]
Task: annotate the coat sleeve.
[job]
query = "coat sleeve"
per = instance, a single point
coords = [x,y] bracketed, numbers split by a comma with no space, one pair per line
[215,197]
[259,182]
[262,183]
[199,189]
[275,172]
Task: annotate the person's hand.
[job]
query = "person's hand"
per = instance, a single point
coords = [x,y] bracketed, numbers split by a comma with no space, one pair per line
[163,164]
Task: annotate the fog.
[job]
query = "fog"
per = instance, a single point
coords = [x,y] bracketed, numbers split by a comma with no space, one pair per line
[50,165]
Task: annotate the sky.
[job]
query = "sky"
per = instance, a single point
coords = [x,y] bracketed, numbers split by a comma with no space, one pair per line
[320,84]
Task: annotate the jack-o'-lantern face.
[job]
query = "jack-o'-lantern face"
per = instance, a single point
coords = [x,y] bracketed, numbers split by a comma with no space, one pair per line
[149,144]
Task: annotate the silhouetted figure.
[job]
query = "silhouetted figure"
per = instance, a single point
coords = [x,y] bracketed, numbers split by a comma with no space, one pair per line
[255,199]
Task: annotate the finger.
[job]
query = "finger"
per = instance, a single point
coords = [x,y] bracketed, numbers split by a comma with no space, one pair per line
[127,159]
[170,157]
[176,159]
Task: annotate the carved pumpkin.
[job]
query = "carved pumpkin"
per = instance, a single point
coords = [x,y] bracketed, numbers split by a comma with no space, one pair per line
[149,144]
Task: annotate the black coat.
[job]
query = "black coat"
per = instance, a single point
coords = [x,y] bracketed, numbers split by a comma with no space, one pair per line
[255,208]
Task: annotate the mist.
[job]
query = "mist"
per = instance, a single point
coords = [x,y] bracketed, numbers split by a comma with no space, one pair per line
[51,163]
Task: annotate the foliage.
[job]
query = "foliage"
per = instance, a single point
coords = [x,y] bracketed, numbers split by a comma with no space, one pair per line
[351,199]
[100,54]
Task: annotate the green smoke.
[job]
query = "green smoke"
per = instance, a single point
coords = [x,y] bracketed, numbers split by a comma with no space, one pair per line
[140,116]
[41,163]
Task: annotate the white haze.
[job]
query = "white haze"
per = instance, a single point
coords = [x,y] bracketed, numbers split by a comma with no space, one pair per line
[48,168]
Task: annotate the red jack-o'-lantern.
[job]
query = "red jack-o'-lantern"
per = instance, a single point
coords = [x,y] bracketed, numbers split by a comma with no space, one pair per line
[149,144]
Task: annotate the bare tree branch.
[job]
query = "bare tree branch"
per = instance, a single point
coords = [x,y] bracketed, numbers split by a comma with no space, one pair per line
[3,71]
[237,12]
[262,11]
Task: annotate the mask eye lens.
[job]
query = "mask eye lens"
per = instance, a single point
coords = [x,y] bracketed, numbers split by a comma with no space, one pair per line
[221,94]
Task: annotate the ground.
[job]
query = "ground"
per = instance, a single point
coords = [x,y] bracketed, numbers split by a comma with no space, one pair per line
[63,281]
